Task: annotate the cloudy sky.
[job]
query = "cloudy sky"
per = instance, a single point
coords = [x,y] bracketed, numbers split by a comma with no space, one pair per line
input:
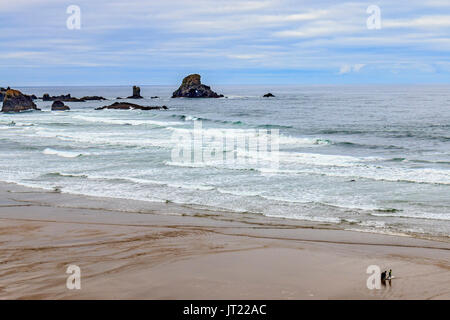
[123,42]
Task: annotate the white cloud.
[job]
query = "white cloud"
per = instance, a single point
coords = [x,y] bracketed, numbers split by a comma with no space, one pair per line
[246,56]
[287,34]
[347,68]
[429,21]
[358,67]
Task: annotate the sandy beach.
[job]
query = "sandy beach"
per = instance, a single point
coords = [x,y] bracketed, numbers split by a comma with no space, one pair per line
[165,251]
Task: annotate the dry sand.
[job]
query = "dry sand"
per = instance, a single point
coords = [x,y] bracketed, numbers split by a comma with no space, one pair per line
[140,250]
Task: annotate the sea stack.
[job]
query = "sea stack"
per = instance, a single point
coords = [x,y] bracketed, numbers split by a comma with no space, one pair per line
[193,88]
[59,106]
[16,101]
[136,93]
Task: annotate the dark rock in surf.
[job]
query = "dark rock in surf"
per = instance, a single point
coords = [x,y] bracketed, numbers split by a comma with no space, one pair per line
[2,93]
[268,95]
[16,101]
[92,98]
[191,87]
[154,97]
[59,106]
[130,106]
[136,93]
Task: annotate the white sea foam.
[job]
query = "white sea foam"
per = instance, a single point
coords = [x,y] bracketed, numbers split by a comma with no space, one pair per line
[424,215]
[243,133]
[172,184]
[239,192]
[132,122]
[64,154]
[373,223]
[307,218]
[370,172]
[103,138]
[290,162]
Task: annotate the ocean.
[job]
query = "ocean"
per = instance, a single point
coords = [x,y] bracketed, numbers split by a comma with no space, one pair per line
[368,158]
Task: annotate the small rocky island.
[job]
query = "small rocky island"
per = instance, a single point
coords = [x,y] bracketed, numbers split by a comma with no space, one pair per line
[268,95]
[59,106]
[192,87]
[131,106]
[16,101]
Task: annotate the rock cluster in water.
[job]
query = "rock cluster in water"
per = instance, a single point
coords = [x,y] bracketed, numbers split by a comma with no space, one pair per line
[191,87]
[130,106]
[69,98]
[64,97]
[16,101]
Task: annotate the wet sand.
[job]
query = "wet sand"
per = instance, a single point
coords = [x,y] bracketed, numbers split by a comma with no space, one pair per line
[140,250]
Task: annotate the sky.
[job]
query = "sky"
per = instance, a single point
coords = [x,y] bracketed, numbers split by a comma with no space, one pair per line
[146,42]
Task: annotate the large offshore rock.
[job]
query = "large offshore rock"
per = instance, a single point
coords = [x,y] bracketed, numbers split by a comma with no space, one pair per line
[16,101]
[191,87]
